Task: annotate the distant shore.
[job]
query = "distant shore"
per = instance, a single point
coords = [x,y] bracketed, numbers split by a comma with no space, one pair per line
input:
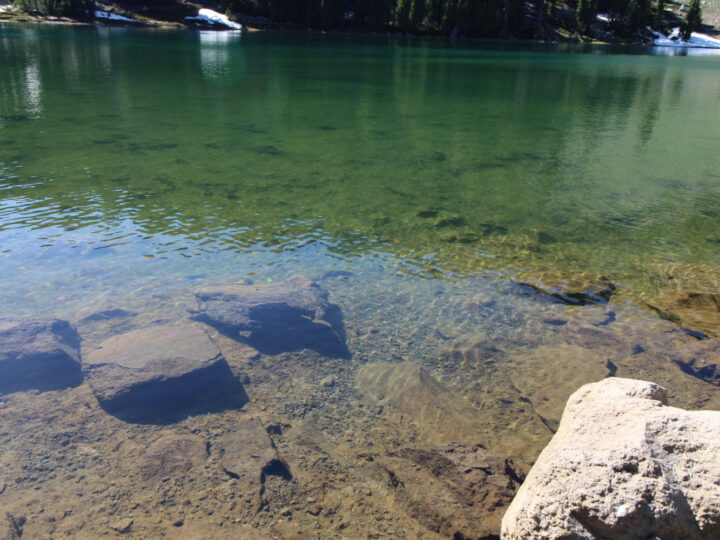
[184,20]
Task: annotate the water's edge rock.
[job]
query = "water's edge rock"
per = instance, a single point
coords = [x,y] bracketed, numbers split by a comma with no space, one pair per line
[623,464]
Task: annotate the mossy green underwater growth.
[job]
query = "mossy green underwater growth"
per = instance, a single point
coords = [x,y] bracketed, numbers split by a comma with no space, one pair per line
[291,152]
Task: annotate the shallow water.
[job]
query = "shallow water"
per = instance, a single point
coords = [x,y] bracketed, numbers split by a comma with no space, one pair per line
[137,166]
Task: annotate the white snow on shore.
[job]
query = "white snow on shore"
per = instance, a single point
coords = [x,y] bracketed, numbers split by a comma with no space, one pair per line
[213,17]
[8,7]
[696,40]
[112,16]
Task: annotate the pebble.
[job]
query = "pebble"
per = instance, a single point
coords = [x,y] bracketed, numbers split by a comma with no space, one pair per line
[122,526]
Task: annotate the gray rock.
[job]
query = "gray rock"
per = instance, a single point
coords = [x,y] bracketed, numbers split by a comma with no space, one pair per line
[42,354]
[162,374]
[280,317]
[623,465]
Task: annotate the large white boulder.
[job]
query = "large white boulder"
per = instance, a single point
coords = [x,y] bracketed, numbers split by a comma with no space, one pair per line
[623,465]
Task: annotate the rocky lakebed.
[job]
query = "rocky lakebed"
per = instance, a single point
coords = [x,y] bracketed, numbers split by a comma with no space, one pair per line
[342,407]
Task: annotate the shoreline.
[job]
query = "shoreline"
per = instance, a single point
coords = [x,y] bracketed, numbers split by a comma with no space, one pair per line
[11,16]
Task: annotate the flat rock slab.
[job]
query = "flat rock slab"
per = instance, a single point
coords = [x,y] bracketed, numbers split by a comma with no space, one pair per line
[42,354]
[162,374]
[280,317]
[623,465]
[250,455]
[569,288]
[457,490]
[408,388]
[695,311]
[173,455]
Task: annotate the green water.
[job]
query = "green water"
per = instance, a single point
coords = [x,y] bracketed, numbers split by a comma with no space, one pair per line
[413,180]
[130,155]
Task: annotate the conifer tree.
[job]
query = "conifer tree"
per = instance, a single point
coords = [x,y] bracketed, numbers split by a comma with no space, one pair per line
[660,13]
[585,14]
[693,19]
[417,13]
[402,14]
[638,14]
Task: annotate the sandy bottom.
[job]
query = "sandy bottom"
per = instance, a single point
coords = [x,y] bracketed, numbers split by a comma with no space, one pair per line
[431,363]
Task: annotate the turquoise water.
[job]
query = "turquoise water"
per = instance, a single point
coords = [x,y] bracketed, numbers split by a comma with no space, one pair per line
[415,181]
[129,154]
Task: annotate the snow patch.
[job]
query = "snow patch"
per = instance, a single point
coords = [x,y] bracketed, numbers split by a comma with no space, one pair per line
[112,16]
[208,16]
[6,8]
[696,40]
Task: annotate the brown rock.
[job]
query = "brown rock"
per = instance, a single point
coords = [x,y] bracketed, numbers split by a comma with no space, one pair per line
[504,418]
[414,392]
[701,277]
[38,354]
[173,455]
[285,316]
[250,455]
[161,374]
[698,312]
[122,526]
[547,375]
[457,490]
[574,289]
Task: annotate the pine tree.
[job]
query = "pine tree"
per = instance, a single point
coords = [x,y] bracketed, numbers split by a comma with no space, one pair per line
[660,13]
[402,14]
[638,14]
[585,14]
[693,19]
[417,13]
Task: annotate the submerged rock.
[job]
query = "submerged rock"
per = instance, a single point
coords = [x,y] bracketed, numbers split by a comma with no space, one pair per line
[286,316]
[412,391]
[41,354]
[250,455]
[623,465]
[173,455]
[122,526]
[573,289]
[107,315]
[457,490]
[11,528]
[696,311]
[697,277]
[162,374]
